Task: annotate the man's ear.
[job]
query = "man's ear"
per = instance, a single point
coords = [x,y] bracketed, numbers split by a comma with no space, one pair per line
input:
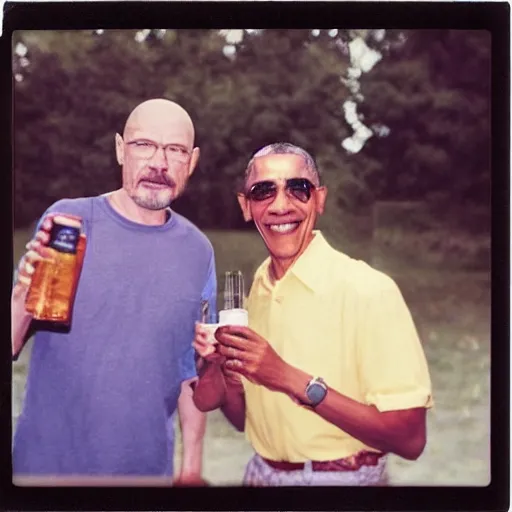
[194,158]
[321,196]
[119,149]
[244,205]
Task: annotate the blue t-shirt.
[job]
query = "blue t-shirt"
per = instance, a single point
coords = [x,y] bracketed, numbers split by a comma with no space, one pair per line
[100,398]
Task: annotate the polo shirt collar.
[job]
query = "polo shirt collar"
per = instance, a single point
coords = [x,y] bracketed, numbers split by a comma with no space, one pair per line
[310,266]
[308,269]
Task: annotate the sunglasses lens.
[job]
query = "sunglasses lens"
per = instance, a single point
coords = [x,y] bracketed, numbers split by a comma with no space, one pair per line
[300,188]
[261,191]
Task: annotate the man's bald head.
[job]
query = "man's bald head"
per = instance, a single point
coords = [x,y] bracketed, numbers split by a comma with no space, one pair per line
[157,153]
[157,112]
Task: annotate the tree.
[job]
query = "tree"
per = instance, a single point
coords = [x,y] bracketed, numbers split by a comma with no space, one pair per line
[282,86]
[434,94]
[431,90]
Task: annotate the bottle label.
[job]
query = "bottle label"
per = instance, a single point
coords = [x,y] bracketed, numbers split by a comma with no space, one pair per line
[64,238]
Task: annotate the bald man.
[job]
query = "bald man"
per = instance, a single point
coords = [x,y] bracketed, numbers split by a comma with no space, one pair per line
[101,397]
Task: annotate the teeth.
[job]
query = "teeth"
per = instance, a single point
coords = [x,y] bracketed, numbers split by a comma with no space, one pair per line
[284,228]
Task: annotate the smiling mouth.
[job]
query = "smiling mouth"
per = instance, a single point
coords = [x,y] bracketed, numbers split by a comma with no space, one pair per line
[289,227]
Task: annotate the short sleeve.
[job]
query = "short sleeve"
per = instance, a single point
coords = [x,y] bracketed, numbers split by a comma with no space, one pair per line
[188,364]
[392,363]
[209,293]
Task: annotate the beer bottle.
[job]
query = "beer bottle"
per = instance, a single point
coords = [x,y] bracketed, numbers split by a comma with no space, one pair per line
[53,287]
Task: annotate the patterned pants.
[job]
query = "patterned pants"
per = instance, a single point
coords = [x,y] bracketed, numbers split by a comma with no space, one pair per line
[259,474]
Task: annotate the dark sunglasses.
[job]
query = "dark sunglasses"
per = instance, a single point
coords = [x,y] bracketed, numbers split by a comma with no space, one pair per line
[300,188]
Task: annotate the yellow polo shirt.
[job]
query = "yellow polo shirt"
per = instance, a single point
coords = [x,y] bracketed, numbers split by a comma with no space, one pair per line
[336,318]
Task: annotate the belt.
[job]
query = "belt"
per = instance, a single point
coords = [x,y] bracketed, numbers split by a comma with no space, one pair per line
[351,463]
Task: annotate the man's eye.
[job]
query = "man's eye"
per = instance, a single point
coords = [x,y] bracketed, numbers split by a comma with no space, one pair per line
[176,149]
[142,143]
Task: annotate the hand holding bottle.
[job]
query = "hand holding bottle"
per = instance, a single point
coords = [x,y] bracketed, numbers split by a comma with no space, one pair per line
[205,342]
[54,278]
[37,250]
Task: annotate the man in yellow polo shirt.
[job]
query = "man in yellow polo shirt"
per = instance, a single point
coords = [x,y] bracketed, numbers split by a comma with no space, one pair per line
[334,375]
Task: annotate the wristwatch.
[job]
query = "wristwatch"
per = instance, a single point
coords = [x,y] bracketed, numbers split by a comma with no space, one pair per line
[316,390]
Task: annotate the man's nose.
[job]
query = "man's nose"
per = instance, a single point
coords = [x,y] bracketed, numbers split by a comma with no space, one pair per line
[159,160]
[281,203]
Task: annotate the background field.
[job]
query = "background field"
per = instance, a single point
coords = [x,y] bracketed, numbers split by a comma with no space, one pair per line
[452,313]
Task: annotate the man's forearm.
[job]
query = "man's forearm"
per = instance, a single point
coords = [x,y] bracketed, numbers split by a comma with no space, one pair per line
[400,432]
[20,319]
[214,390]
[233,406]
[210,388]
[193,427]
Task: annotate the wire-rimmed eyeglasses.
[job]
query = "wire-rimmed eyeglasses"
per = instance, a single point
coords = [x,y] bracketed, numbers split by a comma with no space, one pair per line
[146,149]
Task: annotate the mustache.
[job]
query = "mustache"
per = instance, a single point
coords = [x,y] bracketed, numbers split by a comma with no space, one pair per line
[161,179]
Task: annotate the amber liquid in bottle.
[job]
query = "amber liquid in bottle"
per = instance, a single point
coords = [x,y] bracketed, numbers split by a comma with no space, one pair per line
[52,291]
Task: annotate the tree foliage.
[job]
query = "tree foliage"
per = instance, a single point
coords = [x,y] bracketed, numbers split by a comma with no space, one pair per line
[282,85]
[435,96]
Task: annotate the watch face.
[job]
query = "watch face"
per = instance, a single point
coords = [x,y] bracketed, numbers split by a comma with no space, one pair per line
[316,393]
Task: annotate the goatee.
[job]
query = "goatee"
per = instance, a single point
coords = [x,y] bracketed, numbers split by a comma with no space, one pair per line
[152,203]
